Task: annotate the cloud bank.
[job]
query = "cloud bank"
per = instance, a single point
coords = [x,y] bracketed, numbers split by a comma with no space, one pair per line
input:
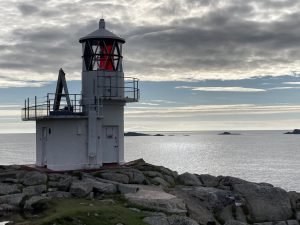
[166,40]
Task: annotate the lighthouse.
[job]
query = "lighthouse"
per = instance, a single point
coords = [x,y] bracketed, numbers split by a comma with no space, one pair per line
[86,130]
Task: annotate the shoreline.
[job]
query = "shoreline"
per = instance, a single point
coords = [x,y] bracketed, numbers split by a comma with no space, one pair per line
[193,198]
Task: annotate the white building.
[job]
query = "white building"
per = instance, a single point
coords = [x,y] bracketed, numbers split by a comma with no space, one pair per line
[85,131]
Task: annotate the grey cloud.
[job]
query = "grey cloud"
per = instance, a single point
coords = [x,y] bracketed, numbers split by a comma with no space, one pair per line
[227,37]
[27,9]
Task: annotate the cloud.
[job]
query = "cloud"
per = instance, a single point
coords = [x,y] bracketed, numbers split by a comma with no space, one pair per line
[222,89]
[292,83]
[166,40]
[210,110]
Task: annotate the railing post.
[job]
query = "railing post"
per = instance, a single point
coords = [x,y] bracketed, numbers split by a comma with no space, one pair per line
[28,107]
[133,89]
[48,105]
[74,107]
[25,111]
[35,106]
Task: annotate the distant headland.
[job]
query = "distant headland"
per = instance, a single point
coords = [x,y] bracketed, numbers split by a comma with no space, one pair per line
[295,131]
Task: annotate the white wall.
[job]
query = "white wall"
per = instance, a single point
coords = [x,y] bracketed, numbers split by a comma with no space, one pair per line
[66,145]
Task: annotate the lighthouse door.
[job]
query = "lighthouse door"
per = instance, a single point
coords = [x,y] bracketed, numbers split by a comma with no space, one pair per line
[44,143]
[111,144]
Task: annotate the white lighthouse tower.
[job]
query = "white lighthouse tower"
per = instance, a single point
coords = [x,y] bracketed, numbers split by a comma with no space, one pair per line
[85,131]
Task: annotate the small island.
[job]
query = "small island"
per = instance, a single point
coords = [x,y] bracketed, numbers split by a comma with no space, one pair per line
[295,131]
[137,134]
[228,133]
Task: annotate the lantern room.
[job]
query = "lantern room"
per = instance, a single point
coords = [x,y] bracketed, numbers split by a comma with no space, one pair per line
[102,50]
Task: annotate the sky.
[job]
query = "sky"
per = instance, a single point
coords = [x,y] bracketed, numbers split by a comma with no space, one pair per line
[202,64]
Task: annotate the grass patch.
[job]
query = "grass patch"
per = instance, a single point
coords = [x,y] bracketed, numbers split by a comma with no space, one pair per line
[88,212]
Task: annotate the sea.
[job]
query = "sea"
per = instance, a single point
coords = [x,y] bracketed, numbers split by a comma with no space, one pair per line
[257,156]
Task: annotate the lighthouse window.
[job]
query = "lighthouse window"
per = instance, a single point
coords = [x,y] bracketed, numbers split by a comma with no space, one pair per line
[102,55]
[49,130]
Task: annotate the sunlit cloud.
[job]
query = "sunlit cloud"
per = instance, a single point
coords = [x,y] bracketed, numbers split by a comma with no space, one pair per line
[226,89]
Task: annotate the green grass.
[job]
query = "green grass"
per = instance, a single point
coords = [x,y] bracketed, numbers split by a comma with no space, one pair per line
[88,212]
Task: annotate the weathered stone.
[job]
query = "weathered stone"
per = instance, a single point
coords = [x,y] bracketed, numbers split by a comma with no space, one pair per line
[160,181]
[36,203]
[57,177]
[156,220]
[225,214]
[6,189]
[181,220]
[59,194]
[240,215]
[230,181]
[166,171]
[269,223]
[34,178]
[62,184]
[103,187]
[117,177]
[8,208]
[298,216]
[153,174]
[295,200]
[34,190]
[292,222]
[188,179]
[265,203]
[234,222]
[135,176]
[13,199]
[275,223]
[197,204]
[8,175]
[81,188]
[169,179]
[157,200]
[127,188]
[208,180]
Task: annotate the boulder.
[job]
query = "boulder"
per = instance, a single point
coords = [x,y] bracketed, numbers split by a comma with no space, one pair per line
[61,184]
[6,189]
[59,194]
[181,220]
[234,222]
[127,188]
[295,200]
[201,203]
[34,190]
[292,222]
[117,177]
[159,181]
[225,214]
[135,176]
[169,179]
[81,188]
[156,220]
[5,208]
[157,200]
[264,202]
[188,179]
[36,203]
[12,199]
[33,178]
[208,180]
[153,174]
[102,187]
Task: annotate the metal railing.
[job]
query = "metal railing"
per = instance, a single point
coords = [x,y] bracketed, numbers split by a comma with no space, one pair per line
[44,107]
[111,88]
[119,88]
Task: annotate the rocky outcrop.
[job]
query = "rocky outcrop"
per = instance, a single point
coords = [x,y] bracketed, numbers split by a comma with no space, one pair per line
[157,200]
[185,199]
[189,179]
[264,202]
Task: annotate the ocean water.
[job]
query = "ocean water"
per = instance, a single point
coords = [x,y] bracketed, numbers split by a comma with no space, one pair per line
[258,156]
